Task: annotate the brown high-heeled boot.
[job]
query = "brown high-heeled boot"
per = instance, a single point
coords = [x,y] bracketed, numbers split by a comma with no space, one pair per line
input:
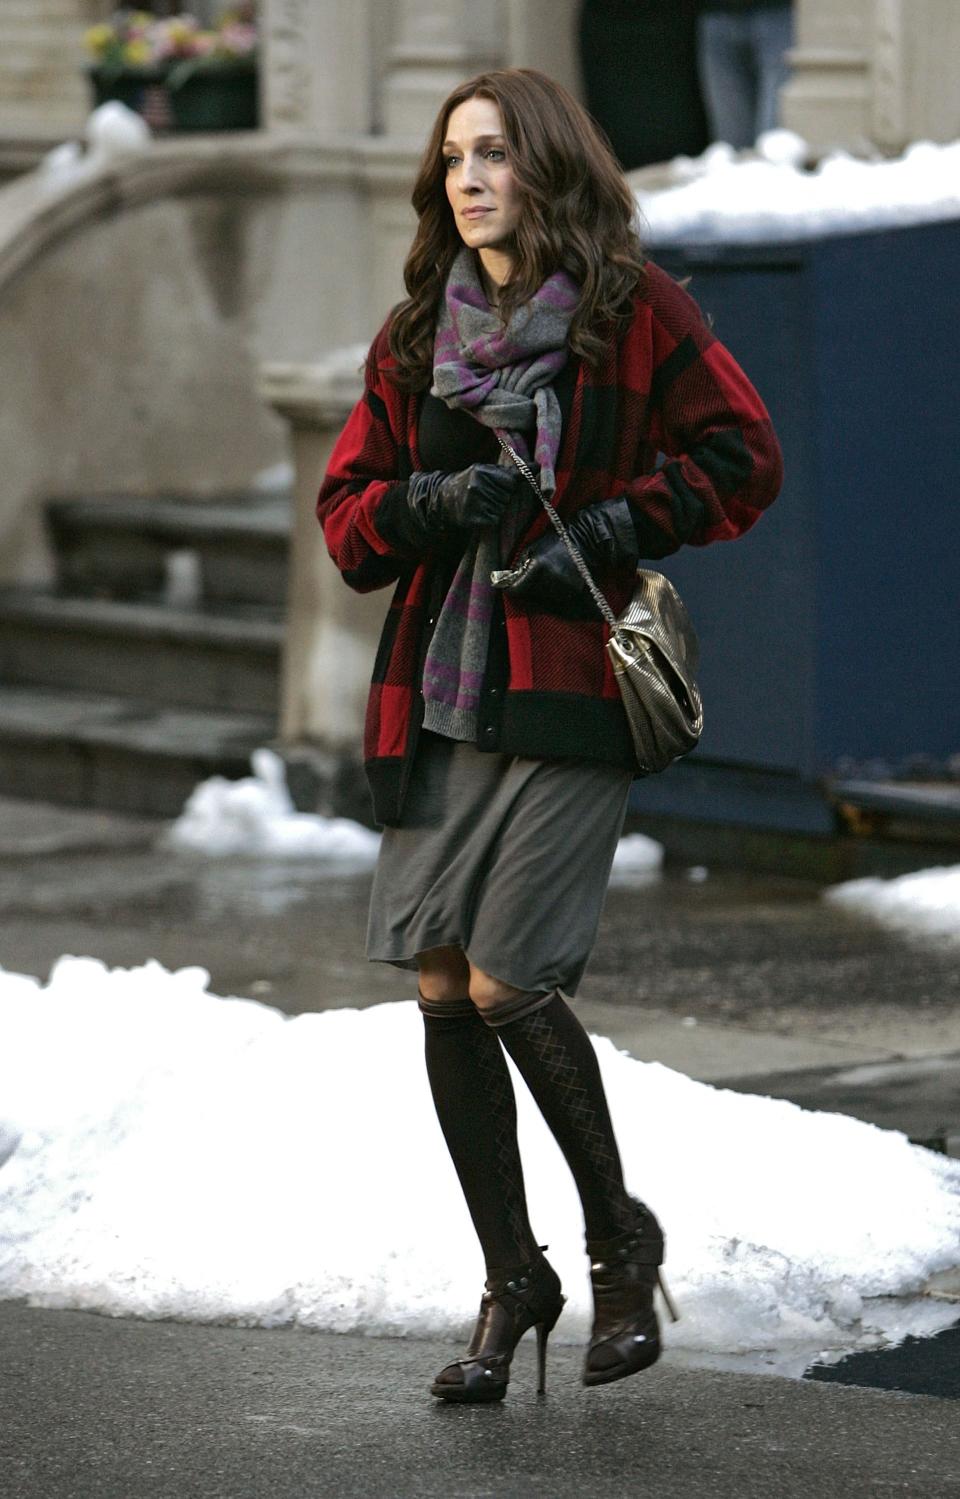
[513,1302]
[624,1273]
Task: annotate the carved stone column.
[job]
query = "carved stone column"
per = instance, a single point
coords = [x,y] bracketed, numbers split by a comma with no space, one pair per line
[437,44]
[316,66]
[543,34]
[875,73]
[916,72]
[827,100]
[331,631]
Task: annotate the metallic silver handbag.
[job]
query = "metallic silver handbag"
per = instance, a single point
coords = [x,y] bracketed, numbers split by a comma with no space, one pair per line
[653,649]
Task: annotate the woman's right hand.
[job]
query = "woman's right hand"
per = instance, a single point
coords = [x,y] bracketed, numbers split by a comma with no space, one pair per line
[442,505]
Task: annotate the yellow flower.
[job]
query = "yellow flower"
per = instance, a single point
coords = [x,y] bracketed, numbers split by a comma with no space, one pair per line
[99,38]
[137,54]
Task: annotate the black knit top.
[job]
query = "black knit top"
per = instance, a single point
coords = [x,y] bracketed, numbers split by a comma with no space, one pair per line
[451,439]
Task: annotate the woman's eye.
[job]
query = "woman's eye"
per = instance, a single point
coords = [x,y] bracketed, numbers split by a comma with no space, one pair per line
[497,154]
[450,161]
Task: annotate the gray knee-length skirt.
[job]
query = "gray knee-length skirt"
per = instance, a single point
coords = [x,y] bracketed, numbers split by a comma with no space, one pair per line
[504,857]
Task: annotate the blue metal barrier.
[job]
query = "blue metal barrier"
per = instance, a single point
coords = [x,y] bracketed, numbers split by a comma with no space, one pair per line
[830,634]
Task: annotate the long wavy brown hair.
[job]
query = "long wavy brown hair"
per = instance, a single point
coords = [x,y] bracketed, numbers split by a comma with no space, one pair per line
[577,214]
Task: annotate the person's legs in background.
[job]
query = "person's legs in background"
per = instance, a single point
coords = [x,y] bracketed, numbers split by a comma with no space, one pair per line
[728,76]
[772,39]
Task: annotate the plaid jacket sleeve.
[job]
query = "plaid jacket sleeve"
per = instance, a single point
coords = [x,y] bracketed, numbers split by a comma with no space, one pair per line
[722,463]
[364,489]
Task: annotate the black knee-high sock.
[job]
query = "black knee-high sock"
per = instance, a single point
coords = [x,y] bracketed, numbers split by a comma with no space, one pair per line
[556,1060]
[477,1110]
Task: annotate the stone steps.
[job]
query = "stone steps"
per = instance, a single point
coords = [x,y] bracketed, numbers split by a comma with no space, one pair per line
[186,658]
[125,548]
[155,662]
[120,753]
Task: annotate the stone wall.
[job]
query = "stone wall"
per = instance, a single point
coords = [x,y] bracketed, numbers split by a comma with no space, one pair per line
[137,306]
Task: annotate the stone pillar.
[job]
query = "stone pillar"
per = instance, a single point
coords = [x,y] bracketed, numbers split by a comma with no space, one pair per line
[875,74]
[916,72]
[316,73]
[543,34]
[437,44]
[827,100]
[331,631]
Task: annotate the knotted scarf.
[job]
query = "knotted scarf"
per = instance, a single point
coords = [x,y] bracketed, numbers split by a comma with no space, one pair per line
[504,377]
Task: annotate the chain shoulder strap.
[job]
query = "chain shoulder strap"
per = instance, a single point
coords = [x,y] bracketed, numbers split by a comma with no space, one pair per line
[563,533]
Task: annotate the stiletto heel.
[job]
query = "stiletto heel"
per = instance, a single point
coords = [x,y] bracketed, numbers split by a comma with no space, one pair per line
[542,1336]
[671,1307]
[513,1302]
[624,1273]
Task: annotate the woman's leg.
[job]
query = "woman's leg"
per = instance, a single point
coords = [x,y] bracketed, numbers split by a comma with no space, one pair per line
[554,1055]
[475,1104]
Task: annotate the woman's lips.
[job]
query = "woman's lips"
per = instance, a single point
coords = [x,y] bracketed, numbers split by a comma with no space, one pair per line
[475,213]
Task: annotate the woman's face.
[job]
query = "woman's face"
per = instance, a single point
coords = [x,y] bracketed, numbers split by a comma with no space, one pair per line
[481,188]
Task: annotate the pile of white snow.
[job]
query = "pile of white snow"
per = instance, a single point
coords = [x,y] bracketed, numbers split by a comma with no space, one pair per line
[637,858]
[173,1154]
[112,130]
[256,816]
[767,197]
[926,902]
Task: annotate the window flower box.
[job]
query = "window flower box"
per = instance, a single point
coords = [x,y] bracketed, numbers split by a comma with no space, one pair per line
[176,75]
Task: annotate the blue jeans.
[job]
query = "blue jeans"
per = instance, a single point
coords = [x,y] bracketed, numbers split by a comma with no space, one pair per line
[741,56]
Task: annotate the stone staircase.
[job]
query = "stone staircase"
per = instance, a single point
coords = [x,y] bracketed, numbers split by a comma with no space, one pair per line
[155,661]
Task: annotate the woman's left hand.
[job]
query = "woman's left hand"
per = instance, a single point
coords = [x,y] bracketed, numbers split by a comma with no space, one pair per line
[546,575]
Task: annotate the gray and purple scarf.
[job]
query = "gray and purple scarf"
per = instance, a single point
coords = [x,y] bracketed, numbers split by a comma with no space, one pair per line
[504,377]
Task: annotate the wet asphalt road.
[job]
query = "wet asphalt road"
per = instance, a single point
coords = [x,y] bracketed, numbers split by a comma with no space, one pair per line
[97,1408]
[748,949]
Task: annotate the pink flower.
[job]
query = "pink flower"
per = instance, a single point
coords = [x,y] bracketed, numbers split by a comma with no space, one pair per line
[238,40]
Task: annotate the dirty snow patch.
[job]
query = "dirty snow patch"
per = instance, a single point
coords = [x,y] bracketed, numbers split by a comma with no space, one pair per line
[256,816]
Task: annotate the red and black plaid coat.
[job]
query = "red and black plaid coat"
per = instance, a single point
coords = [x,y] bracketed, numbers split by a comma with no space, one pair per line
[666,387]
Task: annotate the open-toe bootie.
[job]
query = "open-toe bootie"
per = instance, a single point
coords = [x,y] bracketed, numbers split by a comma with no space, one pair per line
[625,1273]
[514,1301]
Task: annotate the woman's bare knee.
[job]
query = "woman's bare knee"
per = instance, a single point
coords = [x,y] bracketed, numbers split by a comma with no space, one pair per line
[444,973]
[486,991]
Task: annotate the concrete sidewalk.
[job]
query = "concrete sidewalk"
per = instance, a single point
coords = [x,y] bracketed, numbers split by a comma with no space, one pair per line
[97,1408]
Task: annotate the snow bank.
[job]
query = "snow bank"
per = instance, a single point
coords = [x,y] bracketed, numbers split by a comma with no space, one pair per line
[927,902]
[256,816]
[173,1154]
[720,196]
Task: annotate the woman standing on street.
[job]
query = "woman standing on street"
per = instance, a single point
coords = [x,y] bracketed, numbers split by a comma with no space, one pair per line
[497,748]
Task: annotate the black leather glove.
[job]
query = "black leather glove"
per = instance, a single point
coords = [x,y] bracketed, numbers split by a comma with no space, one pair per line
[443,507]
[546,575]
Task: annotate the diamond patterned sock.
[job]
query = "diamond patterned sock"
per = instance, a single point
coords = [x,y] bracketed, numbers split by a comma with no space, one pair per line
[557,1062]
[477,1110]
